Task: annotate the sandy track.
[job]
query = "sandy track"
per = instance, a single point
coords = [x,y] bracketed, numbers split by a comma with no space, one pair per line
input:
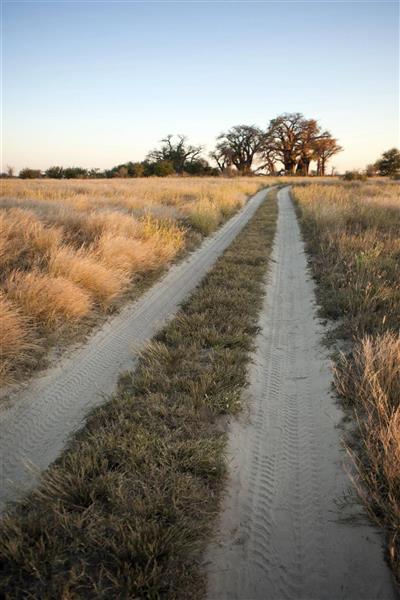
[280,535]
[36,425]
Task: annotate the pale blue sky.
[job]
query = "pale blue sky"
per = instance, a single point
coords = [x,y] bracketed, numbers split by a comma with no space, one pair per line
[99,83]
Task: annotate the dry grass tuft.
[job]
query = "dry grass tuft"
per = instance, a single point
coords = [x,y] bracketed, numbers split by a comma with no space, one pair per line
[25,242]
[48,299]
[125,255]
[205,217]
[83,270]
[370,381]
[17,338]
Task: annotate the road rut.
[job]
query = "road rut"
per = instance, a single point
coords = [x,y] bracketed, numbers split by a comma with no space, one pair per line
[281,535]
[38,420]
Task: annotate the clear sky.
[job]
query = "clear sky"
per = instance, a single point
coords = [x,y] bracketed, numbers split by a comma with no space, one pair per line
[95,84]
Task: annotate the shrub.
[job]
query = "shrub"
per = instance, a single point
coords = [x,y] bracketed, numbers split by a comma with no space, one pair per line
[30,173]
[75,173]
[163,168]
[354,176]
[136,169]
[55,173]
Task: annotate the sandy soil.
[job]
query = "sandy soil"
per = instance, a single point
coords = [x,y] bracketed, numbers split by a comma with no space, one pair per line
[36,422]
[282,532]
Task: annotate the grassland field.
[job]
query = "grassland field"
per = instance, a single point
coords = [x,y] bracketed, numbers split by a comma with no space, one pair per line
[72,252]
[127,509]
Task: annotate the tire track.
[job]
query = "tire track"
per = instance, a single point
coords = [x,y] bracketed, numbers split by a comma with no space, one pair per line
[280,536]
[35,426]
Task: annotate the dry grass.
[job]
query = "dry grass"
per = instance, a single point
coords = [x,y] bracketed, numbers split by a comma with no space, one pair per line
[88,273]
[352,232]
[17,338]
[127,509]
[25,242]
[96,240]
[50,300]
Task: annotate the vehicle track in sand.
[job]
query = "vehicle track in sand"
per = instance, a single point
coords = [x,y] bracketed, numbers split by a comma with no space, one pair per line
[282,534]
[37,421]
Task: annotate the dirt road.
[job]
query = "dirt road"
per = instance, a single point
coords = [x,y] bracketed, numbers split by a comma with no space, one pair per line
[37,422]
[280,534]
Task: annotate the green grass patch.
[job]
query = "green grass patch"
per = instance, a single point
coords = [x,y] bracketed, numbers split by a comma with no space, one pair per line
[127,509]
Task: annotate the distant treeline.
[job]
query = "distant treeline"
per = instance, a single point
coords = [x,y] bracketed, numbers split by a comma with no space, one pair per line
[130,169]
[290,145]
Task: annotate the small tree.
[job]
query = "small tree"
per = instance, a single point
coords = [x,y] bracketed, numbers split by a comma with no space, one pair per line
[389,163]
[27,173]
[10,171]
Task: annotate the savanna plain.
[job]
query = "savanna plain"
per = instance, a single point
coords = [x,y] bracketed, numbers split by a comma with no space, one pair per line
[72,252]
[128,508]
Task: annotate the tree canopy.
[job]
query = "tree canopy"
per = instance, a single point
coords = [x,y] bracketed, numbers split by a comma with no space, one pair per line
[289,144]
[389,163]
[178,152]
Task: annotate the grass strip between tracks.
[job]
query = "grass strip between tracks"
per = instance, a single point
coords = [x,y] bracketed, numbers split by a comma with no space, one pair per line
[127,509]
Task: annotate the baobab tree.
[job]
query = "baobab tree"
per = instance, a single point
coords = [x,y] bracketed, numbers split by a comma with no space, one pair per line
[310,132]
[223,158]
[239,147]
[296,141]
[284,137]
[325,146]
[178,153]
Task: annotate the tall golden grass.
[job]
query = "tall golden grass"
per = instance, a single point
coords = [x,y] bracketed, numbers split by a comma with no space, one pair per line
[70,249]
[353,233]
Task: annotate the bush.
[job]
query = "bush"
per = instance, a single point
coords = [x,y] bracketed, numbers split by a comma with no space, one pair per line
[354,176]
[30,173]
[75,173]
[136,169]
[54,173]
[163,168]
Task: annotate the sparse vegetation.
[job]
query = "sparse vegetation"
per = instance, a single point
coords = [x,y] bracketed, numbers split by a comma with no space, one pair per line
[70,250]
[352,232]
[125,511]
